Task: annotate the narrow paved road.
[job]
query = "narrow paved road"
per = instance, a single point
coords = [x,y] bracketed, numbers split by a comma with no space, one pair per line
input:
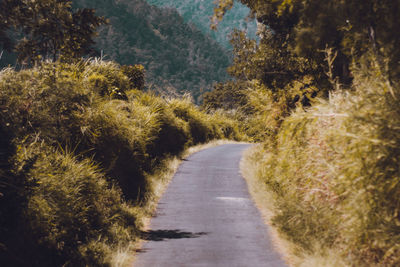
[206,218]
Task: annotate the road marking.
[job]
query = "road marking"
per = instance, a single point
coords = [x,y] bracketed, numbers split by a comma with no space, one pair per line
[233,199]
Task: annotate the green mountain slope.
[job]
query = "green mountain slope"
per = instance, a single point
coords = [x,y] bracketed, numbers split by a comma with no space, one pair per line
[199,12]
[175,54]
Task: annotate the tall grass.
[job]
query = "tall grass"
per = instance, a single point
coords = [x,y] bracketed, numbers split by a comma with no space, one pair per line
[333,170]
[263,110]
[79,143]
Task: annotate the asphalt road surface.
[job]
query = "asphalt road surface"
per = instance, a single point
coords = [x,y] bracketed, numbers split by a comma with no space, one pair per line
[207,219]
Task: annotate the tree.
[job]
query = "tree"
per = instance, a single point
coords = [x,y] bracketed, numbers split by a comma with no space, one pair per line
[227,96]
[271,61]
[350,27]
[5,22]
[50,29]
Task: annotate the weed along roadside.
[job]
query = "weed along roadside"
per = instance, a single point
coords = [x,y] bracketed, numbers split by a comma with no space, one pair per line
[85,145]
[328,180]
[319,91]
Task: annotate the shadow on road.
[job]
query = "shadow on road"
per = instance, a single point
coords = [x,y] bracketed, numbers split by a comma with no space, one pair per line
[161,235]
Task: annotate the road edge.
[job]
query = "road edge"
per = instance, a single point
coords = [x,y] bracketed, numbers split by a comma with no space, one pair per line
[160,181]
[264,202]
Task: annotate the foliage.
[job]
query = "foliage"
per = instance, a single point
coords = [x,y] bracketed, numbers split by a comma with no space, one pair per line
[203,126]
[270,62]
[260,110]
[135,74]
[334,173]
[50,29]
[73,213]
[78,142]
[305,51]
[175,54]
[271,65]
[108,79]
[199,12]
[331,163]
[5,24]
[349,27]
[227,96]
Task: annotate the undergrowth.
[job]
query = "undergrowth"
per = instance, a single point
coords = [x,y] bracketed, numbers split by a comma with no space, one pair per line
[78,145]
[334,173]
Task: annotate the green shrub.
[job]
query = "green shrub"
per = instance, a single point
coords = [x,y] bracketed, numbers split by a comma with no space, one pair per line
[106,78]
[260,109]
[72,205]
[78,145]
[227,96]
[334,171]
[202,126]
[225,126]
[135,75]
[200,130]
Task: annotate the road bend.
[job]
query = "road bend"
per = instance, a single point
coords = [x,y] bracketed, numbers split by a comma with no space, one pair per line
[207,219]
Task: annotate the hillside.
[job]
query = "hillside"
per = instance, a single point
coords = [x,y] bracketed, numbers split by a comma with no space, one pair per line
[199,12]
[175,54]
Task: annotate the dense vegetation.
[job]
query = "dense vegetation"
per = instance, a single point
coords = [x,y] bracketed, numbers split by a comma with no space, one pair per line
[78,142]
[48,32]
[334,173]
[321,92]
[199,12]
[176,55]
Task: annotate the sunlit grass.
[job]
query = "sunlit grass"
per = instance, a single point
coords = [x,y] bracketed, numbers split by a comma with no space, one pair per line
[333,175]
[90,157]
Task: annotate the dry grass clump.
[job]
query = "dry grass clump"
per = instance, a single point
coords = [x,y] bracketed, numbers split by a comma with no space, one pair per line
[202,126]
[264,109]
[266,113]
[73,212]
[334,173]
[78,146]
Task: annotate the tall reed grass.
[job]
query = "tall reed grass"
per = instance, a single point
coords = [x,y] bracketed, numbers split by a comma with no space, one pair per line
[334,173]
